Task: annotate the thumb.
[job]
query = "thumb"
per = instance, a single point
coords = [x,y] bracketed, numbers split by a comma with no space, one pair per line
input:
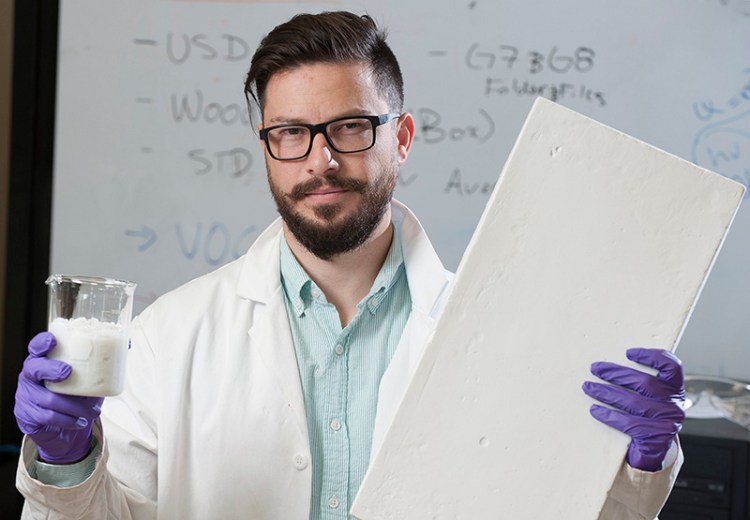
[41,344]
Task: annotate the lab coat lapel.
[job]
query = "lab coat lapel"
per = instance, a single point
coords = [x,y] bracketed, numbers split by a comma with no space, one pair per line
[396,377]
[269,329]
[270,334]
[428,284]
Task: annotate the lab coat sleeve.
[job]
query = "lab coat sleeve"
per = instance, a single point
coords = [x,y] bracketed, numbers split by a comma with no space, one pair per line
[123,483]
[640,495]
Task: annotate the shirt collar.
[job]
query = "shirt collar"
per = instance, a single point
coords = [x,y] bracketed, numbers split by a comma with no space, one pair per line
[388,275]
[294,279]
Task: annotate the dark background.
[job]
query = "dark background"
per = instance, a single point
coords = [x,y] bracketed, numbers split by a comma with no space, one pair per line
[28,212]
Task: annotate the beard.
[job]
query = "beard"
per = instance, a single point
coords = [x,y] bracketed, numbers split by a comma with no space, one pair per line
[329,238]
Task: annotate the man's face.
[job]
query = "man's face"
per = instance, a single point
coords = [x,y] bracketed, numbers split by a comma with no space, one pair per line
[332,202]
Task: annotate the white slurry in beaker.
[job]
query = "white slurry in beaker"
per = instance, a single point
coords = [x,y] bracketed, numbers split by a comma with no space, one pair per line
[96,351]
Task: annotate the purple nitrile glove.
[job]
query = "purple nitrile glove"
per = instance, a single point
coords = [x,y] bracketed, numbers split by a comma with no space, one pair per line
[649,408]
[60,425]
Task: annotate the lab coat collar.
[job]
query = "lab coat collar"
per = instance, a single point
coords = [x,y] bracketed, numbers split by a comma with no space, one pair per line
[261,259]
[423,267]
[424,270]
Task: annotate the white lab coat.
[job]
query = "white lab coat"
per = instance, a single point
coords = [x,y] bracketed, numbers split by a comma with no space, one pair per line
[212,425]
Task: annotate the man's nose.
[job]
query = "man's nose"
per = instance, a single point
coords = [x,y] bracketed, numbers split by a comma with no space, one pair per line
[320,160]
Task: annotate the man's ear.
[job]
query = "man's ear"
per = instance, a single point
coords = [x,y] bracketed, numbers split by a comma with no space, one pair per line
[405,136]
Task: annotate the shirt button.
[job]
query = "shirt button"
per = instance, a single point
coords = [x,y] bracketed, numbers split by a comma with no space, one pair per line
[335,425]
[339,349]
[333,502]
[300,462]
[315,292]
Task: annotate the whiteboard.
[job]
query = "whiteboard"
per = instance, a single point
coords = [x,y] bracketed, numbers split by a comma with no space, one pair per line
[158,175]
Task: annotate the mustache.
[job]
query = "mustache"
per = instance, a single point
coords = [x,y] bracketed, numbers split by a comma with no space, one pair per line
[345,183]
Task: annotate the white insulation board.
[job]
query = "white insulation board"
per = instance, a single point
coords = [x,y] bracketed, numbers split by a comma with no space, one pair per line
[592,242]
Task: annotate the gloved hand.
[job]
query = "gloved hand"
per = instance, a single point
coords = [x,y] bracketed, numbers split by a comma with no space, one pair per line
[649,408]
[60,425]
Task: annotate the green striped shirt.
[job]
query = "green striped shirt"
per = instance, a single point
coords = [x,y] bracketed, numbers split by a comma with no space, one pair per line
[340,370]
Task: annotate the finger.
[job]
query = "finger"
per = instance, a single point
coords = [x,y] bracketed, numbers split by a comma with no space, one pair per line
[74,406]
[668,365]
[645,384]
[610,417]
[41,344]
[46,419]
[40,369]
[634,403]
[32,419]
[639,428]
[620,375]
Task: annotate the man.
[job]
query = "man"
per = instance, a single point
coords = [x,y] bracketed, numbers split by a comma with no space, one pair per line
[256,391]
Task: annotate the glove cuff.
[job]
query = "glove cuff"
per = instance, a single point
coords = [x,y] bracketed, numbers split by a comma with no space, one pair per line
[647,458]
[78,451]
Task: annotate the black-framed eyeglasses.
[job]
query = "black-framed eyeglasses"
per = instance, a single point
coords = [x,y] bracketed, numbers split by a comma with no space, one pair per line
[349,134]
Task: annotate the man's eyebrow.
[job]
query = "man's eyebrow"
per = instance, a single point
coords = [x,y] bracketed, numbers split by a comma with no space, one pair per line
[281,120]
[285,120]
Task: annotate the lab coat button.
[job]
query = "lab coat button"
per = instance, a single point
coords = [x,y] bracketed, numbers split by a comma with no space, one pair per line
[300,462]
[333,502]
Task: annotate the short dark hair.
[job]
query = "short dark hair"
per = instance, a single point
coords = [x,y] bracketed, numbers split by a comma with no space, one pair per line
[329,37]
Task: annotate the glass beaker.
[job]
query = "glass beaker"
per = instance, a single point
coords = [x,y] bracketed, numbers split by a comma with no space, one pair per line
[90,319]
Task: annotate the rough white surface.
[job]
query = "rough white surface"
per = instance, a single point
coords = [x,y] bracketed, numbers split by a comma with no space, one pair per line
[592,242]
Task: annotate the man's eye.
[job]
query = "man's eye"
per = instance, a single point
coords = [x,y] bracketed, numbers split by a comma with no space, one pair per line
[349,127]
[291,131]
